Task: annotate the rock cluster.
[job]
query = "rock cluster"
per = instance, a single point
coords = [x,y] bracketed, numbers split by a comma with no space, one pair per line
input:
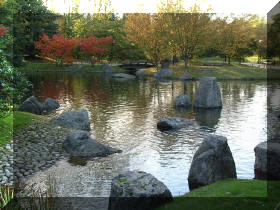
[35,148]
[34,106]
[6,165]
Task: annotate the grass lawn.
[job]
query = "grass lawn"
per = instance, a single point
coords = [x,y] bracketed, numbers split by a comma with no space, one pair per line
[230,194]
[14,121]
[234,71]
[29,66]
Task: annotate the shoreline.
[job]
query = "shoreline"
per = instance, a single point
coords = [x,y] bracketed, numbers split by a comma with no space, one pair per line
[148,75]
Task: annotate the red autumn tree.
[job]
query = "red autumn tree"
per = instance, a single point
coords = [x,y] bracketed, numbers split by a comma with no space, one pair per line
[93,48]
[3,31]
[58,48]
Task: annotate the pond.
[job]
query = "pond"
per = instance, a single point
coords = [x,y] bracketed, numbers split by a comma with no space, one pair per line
[124,115]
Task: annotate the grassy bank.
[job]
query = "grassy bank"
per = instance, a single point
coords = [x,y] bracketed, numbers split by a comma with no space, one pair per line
[43,66]
[229,194]
[234,71]
[12,122]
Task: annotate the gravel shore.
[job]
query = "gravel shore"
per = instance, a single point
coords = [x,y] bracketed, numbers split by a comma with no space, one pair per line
[34,148]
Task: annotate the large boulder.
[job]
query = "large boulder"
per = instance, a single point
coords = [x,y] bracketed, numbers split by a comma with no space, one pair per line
[208,94]
[267,161]
[31,105]
[163,73]
[123,76]
[212,161]
[182,101]
[80,144]
[50,105]
[171,123]
[77,119]
[137,190]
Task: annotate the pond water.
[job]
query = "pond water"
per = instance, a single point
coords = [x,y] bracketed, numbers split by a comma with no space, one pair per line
[124,115]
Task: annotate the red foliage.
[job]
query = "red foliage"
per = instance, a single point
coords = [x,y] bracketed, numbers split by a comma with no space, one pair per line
[3,31]
[58,48]
[92,47]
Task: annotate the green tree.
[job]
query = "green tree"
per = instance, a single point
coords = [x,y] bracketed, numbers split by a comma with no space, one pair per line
[30,20]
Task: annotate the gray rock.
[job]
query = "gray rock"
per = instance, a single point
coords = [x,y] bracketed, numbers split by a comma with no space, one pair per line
[50,105]
[212,161]
[170,123]
[186,77]
[163,73]
[208,94]
[108,69]
[182,101]
[123,75]
[267,161]
[81,144]
[31,105]
[137,190]
[77,119]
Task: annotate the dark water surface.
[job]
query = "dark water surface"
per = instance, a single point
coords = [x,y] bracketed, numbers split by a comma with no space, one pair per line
[124,115]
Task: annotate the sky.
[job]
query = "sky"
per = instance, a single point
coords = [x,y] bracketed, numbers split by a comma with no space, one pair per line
[260,7]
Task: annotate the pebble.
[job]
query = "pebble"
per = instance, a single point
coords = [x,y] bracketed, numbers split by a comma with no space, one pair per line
[35,148]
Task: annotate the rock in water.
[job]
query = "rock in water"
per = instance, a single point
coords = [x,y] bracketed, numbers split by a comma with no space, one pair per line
[123,75]
[208,94]
[170,123]
[50,105]
[80,144]
[267,162]
[182,101]
[163,73]
[108,69]
[137,190]
[77,119]
[31,105]
[212,161]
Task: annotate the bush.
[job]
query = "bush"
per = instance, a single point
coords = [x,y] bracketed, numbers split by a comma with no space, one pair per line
[14,87]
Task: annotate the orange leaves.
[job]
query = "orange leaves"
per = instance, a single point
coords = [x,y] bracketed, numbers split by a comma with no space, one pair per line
[3,31]
[58,48]
[61,49]
[93,46]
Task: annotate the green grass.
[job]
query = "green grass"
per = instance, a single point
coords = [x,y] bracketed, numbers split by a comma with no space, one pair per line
[234,71]
[232,188]
[13,122]
[229,194]
[29,66]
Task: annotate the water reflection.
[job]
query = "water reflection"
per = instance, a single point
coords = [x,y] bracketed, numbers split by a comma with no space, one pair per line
[207,117]
[124,115]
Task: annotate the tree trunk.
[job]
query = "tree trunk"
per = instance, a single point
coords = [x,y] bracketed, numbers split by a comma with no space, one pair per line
[173,59]
[186,59]
[225,58]
[229,60]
